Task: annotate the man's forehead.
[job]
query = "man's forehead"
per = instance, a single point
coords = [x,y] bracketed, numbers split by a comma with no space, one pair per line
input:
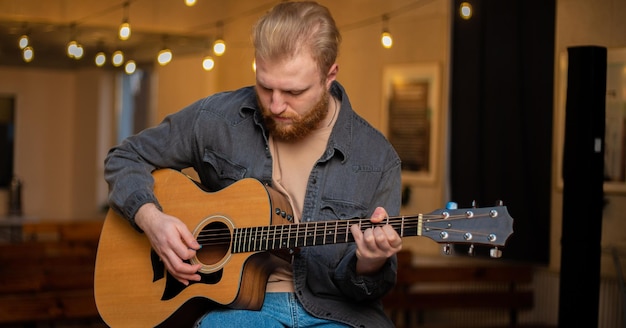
[295,73]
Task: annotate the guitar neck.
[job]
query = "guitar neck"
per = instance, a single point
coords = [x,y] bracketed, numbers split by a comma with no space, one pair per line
[482,226]
[317,233]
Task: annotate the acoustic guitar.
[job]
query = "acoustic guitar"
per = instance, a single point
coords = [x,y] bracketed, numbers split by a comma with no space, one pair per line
[243,229]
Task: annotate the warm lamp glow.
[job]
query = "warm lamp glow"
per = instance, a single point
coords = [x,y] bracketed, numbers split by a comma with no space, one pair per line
[208,63]
[78,53]
[190,3]
[71,48]
[118,58]
[386,40]
[465,10]
[28,54]
[219,47]
[164,57]
[124,33]
[100,59]
[74,50]
[23,42]
[130,67]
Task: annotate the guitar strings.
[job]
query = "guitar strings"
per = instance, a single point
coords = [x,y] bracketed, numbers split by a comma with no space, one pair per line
[319,230]
[321,226]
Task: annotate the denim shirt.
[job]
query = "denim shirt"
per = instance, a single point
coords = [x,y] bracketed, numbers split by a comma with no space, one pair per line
[224,139]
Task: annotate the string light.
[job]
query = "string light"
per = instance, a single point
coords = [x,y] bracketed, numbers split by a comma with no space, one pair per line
[100,59]
[385,37]
[23,41]
[71,48]
[164,57]
[208,63]
[124,31]
[130,67]
[465,10]
[118,58]
[28,54]
[386,40]
[75,49]
[219,46]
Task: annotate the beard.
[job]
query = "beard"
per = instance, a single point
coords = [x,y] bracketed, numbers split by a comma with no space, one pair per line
[300,125]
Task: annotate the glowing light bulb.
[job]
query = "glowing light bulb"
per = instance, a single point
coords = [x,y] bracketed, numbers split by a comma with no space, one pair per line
[28,54]
[118,58]
[78,52]
[219,47]
[465,10]
[190,3]
[71,48]
[386,40]
[164,57]
[100,59]
[130,67]
[124,32]
[208,63]
[23,41]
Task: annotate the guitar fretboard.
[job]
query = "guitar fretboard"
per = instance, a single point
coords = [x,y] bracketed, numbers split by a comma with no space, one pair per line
[311,234]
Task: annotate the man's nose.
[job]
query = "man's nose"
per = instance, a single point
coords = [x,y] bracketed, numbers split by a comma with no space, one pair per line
[277,103]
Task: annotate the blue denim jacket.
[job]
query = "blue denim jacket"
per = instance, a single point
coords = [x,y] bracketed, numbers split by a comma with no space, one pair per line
[224,139]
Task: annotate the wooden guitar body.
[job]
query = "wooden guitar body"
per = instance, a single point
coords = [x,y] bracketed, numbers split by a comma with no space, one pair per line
[130,284]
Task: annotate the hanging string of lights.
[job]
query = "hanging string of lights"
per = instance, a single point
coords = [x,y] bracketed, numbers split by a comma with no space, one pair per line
[75,50]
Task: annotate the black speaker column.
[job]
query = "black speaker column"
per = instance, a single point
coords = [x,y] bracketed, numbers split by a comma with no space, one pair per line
[583,169]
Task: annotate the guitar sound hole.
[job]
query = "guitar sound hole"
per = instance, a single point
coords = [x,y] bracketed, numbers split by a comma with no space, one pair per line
[215,239]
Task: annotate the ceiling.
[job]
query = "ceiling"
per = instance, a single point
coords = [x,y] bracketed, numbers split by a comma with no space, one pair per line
[51,24]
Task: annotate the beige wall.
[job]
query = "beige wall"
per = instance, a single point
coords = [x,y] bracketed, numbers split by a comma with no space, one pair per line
[56,138]
[45,102]
[62,116]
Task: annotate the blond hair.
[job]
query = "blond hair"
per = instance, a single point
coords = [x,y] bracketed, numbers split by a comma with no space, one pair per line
[291,27]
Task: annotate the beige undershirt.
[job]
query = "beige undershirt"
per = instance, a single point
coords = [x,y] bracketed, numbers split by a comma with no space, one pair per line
[292,165]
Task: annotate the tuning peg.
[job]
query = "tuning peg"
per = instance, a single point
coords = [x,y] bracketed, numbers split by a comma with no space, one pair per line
[452,206]
[470,251]
[447,249]
[474,204]
[495,253]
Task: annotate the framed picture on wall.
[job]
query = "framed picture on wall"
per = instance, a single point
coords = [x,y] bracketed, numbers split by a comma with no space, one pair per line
[410,103]
[615,126]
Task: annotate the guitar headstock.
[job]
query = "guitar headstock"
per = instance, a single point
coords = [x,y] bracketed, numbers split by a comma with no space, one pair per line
[489,226]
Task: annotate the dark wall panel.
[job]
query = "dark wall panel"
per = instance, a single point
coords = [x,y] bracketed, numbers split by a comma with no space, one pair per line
[501,116]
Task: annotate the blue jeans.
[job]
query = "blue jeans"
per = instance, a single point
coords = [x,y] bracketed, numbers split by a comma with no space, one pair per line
[279,310]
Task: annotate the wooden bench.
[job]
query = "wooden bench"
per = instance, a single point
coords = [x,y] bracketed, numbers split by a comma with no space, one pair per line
[47,276]
[491,285]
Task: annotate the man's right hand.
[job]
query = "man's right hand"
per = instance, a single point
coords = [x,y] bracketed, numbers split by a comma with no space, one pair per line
[171,240]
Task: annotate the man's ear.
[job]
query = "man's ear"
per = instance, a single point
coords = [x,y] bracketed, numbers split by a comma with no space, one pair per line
[332,75]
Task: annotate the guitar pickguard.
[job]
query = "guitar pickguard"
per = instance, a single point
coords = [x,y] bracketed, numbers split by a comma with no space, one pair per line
[174,287]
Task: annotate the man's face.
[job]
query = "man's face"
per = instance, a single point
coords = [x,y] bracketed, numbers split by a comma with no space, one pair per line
[293,98]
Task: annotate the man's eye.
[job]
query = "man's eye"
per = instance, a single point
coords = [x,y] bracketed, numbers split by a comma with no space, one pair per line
[295,93]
